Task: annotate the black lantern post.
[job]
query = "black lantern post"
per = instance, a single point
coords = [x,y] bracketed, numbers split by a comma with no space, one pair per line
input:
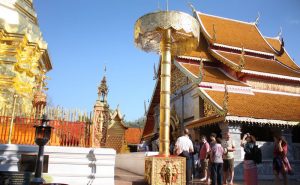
[42,136]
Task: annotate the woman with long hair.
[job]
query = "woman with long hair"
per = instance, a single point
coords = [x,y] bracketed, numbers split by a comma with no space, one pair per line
[281,163]
[250,168]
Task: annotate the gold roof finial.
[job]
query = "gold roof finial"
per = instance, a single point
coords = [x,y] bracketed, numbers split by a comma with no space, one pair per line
[201,72]
[192,7]
[214,33]
[225,100]
[242,60]
[257,19]
[145,107]
[280,33]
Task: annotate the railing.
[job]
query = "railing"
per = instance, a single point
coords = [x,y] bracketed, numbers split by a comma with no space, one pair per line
[64,133]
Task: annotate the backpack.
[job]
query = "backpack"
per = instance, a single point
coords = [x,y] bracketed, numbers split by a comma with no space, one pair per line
[257,156]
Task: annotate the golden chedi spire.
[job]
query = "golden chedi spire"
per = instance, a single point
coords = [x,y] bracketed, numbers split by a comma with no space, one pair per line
[23,54]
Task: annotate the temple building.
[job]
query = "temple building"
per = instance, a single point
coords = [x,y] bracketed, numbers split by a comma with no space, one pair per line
[24,58]
[236,81]
[108,125]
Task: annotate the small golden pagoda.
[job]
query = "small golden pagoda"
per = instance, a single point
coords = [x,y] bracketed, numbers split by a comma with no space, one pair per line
[24,58]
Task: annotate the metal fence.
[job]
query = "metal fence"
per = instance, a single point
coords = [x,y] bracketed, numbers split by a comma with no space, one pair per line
[70,128]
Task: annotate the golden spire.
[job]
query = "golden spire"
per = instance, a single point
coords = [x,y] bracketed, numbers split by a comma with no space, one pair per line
[201,72]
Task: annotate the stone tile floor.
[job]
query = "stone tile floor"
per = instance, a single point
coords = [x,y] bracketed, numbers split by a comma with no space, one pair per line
[123,177]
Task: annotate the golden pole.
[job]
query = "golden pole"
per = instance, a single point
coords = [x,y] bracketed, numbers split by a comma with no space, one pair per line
[12,119]
[165,92]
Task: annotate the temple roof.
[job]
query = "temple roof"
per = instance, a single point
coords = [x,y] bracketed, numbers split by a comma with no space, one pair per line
[284,57]
[261,105]
[233,33]
[133,135]
[211,74]
[200,53]
[255,63]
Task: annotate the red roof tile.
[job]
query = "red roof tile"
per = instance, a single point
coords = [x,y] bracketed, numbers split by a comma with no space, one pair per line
[234,33]
[211,74]
[258,64]
[284,57]
[133,135]
[260,105]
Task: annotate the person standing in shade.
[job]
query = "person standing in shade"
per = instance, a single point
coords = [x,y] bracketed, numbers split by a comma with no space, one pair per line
[212,137]
[216,158]
[228,167]
[203,156]
[197,147]
[184,147]
[250,168]
[281,164]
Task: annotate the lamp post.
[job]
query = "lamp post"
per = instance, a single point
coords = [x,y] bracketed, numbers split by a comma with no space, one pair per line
[42,136]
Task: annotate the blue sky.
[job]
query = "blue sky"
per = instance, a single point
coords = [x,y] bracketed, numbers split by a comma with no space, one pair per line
[85,35]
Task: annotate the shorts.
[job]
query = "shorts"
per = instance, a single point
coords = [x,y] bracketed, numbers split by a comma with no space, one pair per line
[228,165]
[204,164]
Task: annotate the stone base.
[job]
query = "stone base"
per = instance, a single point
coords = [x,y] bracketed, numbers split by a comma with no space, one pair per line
[161,170]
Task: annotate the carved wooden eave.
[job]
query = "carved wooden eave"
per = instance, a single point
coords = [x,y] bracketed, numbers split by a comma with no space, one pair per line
[262,122]
[207,99]
[225,61]
[205,121]
[195,79]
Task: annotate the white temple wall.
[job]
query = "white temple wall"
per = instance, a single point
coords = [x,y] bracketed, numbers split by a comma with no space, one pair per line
[69,165]
[133,162]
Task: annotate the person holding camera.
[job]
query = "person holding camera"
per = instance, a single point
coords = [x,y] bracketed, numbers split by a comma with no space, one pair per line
[250,168]
[281,163]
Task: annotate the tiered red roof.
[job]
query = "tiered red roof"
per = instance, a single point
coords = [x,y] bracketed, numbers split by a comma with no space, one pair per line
[133,135]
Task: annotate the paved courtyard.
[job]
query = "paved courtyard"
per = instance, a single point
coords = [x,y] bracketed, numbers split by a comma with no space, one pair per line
[123,177]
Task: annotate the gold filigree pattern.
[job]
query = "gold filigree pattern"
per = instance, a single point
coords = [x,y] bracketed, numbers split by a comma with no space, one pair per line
[165,170]
[178,79]
[209,110]
[185,31]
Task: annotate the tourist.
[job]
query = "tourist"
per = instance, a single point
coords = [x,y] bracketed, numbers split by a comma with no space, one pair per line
[184,147]
[281,163]
[213,141]
[250,168]
[216,158]
[197,165]
[203,156]
[228,168]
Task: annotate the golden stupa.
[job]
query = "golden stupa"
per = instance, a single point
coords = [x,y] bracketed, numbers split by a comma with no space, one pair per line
[24,58]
